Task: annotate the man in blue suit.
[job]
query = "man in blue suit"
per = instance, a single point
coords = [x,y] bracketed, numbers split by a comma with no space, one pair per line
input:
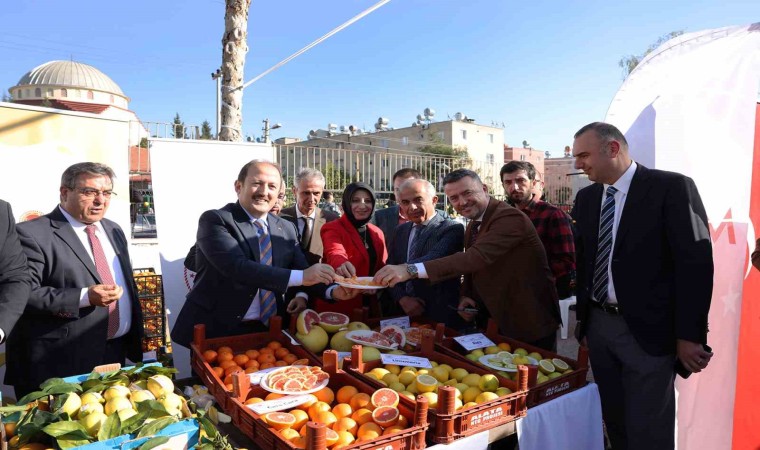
[425,237]
[248,263]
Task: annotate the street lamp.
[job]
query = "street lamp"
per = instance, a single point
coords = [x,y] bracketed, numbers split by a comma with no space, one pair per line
[267,128]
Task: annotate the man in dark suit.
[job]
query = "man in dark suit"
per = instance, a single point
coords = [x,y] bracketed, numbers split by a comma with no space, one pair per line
[645,279]
[506,273]
[15,282]
[306,214]
[425,237]
[249,262]
[83,310]
[389,218]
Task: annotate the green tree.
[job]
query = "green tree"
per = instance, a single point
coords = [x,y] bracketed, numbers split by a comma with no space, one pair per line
[143,143]
[178,127]
[437,147]
[336,178]
[628,63]
[206,130]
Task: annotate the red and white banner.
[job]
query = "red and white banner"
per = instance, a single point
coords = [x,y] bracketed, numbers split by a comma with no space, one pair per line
[691,107]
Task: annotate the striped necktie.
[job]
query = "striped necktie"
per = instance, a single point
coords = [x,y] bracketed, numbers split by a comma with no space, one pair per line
[101,265]
[266,298]
[601,278]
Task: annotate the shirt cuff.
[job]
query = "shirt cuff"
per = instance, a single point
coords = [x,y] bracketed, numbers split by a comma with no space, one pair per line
[296,278]
[2,336]
[302,295]
[329,291]
[421,272]
[84,298]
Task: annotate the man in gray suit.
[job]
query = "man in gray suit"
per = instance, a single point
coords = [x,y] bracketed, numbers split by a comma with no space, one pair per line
[306,214]
[14,276]
[425,237]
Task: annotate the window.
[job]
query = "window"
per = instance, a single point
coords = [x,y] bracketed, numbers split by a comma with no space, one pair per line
[489,158]
[339,145]
[64,93]
[522,157]
[490,138]
[90,95]
[384,143]
[50,93]
[37,92]
[464,134]
[405,140]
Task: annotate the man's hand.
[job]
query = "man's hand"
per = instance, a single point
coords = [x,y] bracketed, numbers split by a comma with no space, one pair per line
[296,305]
[318,273]
[104,294]
[467,302]
[344,293]
[346,270]
[390,275]
[693,355]
[412,306]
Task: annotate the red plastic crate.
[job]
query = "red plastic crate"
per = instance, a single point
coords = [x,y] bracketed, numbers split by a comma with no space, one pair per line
[446,424]
[267,438]
[537,393]
[238,344]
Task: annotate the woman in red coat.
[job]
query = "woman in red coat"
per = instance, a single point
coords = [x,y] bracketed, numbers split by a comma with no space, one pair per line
[353,246]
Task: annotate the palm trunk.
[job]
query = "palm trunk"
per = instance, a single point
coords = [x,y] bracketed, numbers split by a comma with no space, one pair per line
[234,49]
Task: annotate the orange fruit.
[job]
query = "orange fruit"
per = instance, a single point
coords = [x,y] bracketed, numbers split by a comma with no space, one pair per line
[307,404]
[345,394]
[252,354]
[505,347]
[251,369]
[362,416]
[228,386]
[326,395]
[393,429]
[289,434]
[317,408]
[218,371]
[221,357]
[326,417]
[301,418]
[346,424]
[231,369]
[252,363]
[274,345]
[10,429]
[342,410]
[210,356]
[359,401]
[281,352]
[240,360]
[301,362]
[253,400]
[279,420]
[273,396]
[266,358]
[227,363]
[302,431]
[290,358]
[344,439]
[280,364]
[384,397]
[331,437]
[385,416]
[266,366]
[403,422]
[266,351]
[299,442]
[369,431]
[224,349]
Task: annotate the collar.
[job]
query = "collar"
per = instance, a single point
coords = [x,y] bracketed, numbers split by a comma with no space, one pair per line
[623,184]
[312,216]
[264,219]
[531,205]
[77,225]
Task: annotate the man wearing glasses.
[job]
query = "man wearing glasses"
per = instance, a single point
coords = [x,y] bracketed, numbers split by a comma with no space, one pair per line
[83,309]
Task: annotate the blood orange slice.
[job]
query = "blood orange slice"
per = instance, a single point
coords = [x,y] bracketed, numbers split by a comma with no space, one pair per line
[332,322]
[307,319]
[279,420]
[300,362]
[384,397]
[413,336]
[293,386]
[385,416]
[394,334]
[279,384]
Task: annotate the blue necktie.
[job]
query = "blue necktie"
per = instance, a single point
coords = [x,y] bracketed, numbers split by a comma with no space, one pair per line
[601,279]
[266,298]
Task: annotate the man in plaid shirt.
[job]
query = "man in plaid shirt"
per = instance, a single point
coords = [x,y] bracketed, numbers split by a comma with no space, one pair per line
[552,224]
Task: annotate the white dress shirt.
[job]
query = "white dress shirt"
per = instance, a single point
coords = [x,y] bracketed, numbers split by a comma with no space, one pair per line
[125,310]
[311,218]
[623,185]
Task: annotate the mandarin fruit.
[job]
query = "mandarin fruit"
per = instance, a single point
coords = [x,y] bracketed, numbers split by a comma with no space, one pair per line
[280,364]
[326,417]
[252,363]
[221,357]
[359,401]
[218,371]
[369,431]
[274,345]
[266,366]
[266,358]
[317,408]
[362,416]
[301,418]
[210,356]
[224,349]
[240,360]
[252,354]
[342,410]
[325,395]
[281,352]
[290,358]
[346,424]
[345,394]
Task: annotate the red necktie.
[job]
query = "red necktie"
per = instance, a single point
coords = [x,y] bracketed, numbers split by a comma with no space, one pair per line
[101,264]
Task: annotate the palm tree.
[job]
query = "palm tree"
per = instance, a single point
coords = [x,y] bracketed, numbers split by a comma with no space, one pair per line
[234,49]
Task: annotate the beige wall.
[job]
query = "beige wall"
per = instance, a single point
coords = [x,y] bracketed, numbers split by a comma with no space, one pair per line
[531,155]
[558,185]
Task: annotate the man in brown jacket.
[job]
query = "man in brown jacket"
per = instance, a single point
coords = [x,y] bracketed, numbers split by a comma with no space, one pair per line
[504,265]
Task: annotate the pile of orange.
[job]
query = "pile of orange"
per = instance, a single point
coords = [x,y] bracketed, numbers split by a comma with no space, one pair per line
[224,362]
[351,416]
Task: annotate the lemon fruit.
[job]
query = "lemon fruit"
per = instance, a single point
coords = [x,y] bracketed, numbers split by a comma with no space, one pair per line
[458,374]
[426,383]
[546,366]
[470,394]
[472,379]
[485,397]
[560,365]
[488,383]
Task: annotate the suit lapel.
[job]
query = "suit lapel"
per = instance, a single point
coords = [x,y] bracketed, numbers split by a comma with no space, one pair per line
[595,208]
[277,234]
[247,230]
[315,246]
[637,193]
[402,241]
[429,230]
[65,232]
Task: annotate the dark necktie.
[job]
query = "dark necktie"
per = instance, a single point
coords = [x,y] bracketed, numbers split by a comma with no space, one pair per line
[474,231]
[266,298]
[607,218]
[414,246]
[306,235]
[101,265]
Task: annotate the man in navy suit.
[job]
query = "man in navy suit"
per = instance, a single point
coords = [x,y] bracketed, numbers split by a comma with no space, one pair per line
[425,237]
[645,279]
[389,218]
[235,287]
[14,274]
[83,309]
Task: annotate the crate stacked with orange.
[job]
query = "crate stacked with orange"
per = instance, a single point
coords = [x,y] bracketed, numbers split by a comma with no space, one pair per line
[150,294]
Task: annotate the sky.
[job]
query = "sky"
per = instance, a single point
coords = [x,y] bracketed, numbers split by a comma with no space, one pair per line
[543,68]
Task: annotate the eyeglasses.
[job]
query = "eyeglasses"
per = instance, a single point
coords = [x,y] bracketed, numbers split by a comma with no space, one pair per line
[92,193]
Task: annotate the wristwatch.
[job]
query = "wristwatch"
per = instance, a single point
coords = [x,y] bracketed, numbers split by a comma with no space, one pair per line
[411,269]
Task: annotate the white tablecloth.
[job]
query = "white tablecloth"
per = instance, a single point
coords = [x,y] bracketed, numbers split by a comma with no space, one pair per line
[570,422]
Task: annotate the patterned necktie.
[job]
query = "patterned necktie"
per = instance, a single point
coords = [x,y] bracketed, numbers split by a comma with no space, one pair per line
[474,231]
[414,247]
[101,265]
[306,235]
[607,218]
[268,303]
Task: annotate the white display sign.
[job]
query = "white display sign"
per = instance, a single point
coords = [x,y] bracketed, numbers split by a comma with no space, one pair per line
[406,360]
[474,341]
[401,322]
[281,404]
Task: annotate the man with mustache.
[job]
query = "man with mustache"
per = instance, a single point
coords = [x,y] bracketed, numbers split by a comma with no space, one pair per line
[506,274]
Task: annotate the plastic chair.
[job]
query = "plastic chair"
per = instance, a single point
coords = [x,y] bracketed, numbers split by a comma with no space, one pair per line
[564,310]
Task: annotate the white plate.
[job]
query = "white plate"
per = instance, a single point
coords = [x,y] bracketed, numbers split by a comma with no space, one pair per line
[265,384]
[360,286]
[484,360]
[354,336]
